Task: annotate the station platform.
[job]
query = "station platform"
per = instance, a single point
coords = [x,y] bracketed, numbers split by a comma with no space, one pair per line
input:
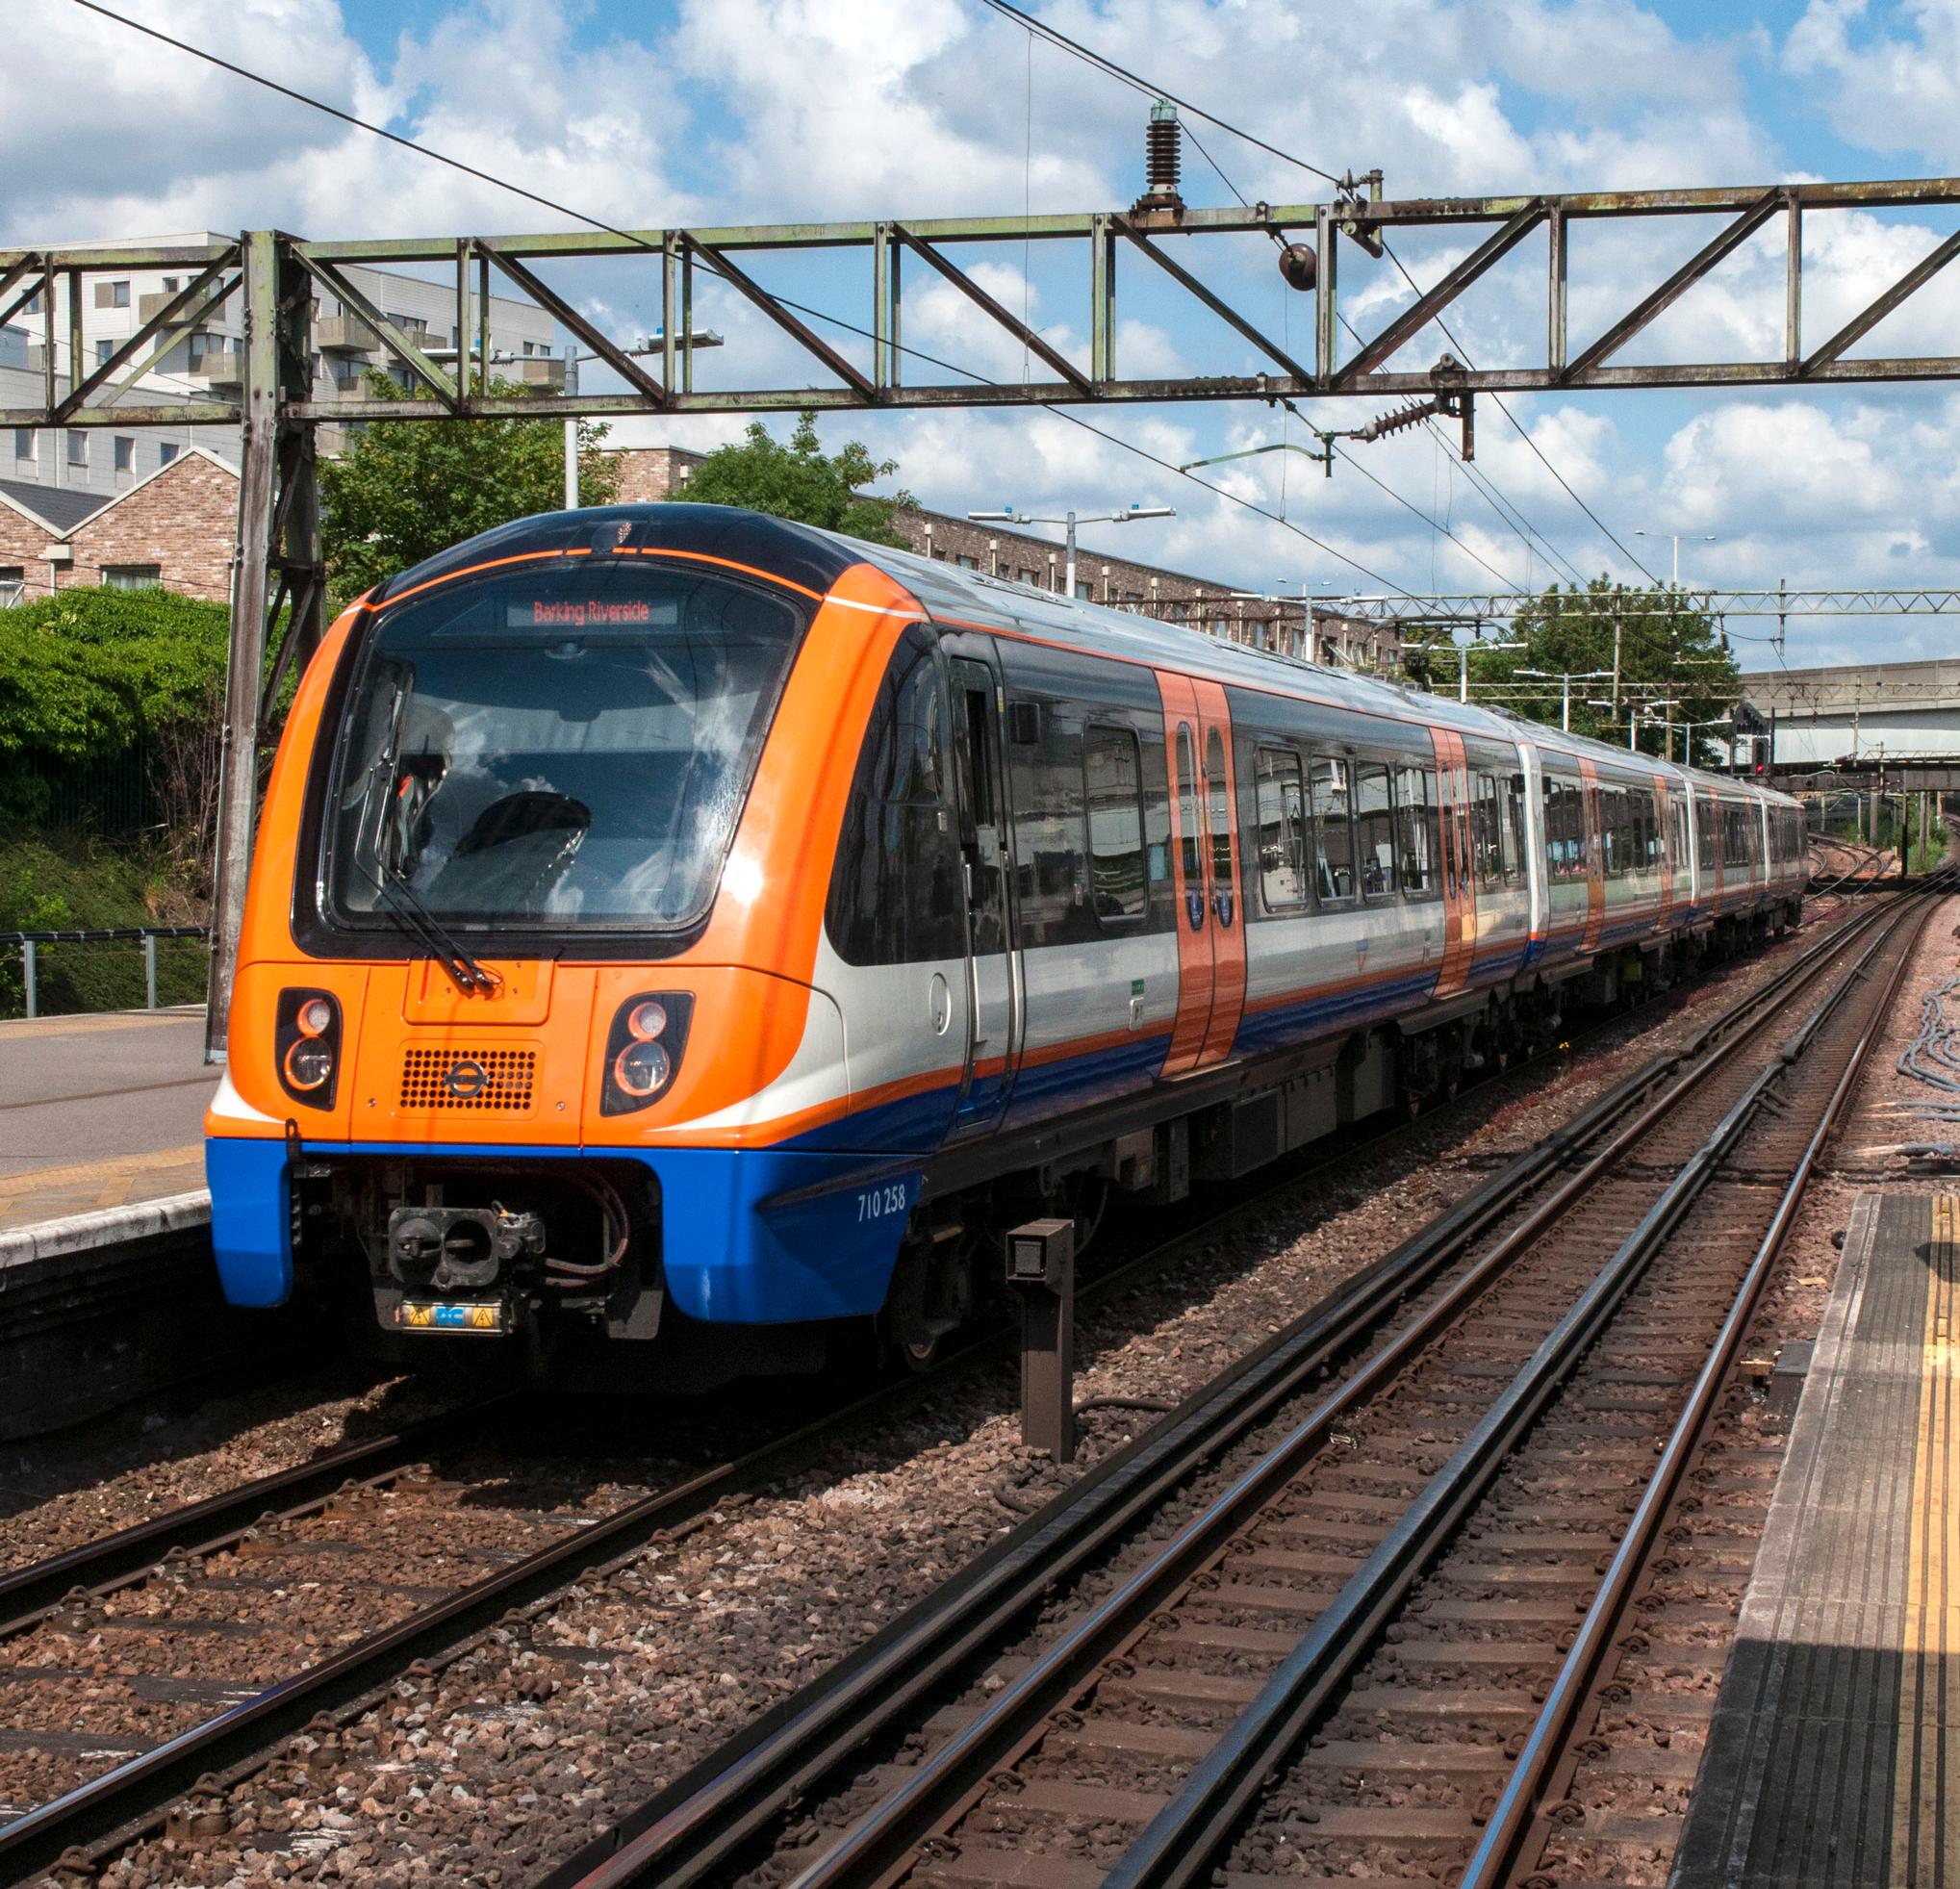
[1827,1760]
[100,1111]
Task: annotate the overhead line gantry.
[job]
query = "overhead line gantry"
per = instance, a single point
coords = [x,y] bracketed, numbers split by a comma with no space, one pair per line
[274,278]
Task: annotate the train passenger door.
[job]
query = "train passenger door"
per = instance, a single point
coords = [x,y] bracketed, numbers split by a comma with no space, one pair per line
[1663,861]
[1459,864]
[1205,872]
[993,964]
[1594,855]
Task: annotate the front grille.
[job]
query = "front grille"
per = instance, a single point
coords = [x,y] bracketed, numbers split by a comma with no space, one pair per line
[491,1081]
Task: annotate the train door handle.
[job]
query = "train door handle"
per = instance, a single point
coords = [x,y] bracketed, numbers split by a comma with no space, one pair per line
[1221,903]
[1194,910]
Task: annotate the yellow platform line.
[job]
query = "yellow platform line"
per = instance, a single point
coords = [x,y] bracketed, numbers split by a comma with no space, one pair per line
[1925,1817]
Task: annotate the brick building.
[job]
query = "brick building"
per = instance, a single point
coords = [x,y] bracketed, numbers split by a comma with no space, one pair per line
[174,527]
[648,474]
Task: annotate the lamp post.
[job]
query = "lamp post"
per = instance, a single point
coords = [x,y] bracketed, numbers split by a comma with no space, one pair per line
[1008,514]
[1565,677]
[653,344]
[1703,537]
[1464,662]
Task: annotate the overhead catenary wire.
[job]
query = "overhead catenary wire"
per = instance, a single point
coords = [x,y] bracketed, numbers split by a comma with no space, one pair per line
[1056,36]
[815,313]
[1142,85]
[1516,521]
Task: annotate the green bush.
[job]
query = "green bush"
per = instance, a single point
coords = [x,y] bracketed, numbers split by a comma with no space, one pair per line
[81,886]
[87,674]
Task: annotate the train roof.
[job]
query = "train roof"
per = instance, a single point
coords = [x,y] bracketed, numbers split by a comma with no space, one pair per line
[817,559]
[951,590]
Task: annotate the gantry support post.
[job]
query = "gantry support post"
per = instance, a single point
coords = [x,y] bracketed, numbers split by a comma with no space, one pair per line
[278,574]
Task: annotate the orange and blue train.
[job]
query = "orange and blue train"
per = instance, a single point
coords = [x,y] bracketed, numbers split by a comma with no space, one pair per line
[674,927]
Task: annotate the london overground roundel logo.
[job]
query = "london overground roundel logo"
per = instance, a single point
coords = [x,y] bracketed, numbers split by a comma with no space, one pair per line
[467,1079]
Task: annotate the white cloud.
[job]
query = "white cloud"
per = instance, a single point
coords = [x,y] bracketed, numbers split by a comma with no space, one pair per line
[1894,89]
[495,84]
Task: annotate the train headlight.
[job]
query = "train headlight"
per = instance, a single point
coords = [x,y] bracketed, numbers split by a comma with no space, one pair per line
[642,1049]
[306,1045]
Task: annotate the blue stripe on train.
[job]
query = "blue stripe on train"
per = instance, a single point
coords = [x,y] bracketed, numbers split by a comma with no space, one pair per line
[1286,1025]
[750,1236]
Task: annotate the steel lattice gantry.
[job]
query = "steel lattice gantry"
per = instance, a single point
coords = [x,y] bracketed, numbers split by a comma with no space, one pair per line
[863,363]
[1498,607]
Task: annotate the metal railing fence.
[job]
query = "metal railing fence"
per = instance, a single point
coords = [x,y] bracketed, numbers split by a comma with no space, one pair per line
[31,943]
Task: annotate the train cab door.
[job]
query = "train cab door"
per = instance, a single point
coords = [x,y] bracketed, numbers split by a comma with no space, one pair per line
[1459,864]
[994,1007]
[1206,874]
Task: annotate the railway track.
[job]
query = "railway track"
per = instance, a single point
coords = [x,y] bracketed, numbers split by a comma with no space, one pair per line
[1370,1644]
[198,1641]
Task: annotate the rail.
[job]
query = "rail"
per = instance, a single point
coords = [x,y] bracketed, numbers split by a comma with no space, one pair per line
[133,1794]
[30,944]
[699,1829]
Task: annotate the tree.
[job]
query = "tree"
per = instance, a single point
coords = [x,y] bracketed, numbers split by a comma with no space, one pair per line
[406,489]
[90,675]
[799,481]
[1673,668]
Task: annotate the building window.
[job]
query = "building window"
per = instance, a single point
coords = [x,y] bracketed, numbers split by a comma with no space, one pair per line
[32,305]
[171,283]
[132,576]
[112,294]
[78,446]
[1029,578]
[167,453]
[967,563]
[103,350]
[12,585]
[125,454]
[23,444]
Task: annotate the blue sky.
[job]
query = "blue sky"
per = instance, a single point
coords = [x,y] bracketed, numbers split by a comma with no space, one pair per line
[731,110]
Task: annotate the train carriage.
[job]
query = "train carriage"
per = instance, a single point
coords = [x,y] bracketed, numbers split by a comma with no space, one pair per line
[669,920]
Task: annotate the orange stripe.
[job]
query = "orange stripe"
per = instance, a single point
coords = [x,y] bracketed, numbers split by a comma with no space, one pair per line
[725,563]
[471,570]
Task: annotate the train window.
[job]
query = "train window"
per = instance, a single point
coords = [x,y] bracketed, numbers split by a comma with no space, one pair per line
[1647,829]
[1416,821]
[1487,827]
[1282,830]
[564,749]
[1118,881]
[1513,828]
[1220,810]
[895,885]
[1156,811]
[1051,871]
[1375,829]
[1612,803]
[1563,827]
[1188,814]
[1334,868]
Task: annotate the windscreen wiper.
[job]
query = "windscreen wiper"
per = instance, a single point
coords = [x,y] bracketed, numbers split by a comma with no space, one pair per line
[468,975]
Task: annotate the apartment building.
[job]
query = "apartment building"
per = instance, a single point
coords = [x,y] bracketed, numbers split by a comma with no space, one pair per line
[208,364]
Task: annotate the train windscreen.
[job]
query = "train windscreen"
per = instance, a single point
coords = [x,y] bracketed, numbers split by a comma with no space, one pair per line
[569,749]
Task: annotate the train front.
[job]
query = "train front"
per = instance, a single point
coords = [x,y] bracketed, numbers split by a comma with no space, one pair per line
[526,1047]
